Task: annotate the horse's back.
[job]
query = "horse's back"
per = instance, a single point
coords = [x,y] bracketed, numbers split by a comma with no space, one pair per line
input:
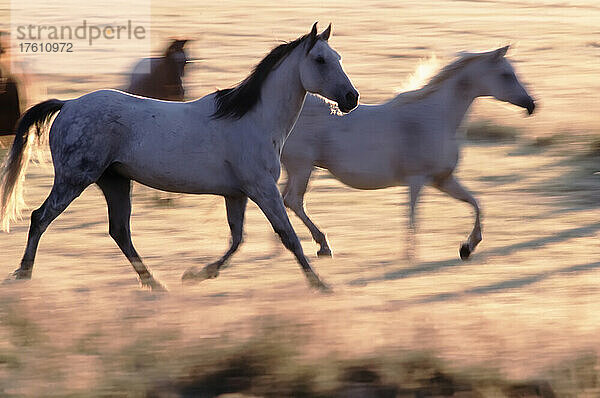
[126,117]
[168,145]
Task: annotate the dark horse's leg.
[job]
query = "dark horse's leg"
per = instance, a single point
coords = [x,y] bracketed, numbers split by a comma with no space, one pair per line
[265,194]
[236,208]
[61,195]
[117,191]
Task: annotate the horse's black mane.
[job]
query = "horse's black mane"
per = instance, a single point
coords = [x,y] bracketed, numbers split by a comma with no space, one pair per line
[237,101]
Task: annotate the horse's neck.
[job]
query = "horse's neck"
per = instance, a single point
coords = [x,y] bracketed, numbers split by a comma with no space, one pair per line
[455,97]
[282,98]
[167,70]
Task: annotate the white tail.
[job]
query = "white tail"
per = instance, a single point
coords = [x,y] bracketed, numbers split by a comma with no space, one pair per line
[13,170]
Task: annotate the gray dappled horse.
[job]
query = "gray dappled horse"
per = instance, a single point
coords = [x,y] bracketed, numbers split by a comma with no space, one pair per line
[227,143]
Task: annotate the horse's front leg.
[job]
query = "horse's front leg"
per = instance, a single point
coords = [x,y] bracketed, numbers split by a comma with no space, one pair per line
[453,188]
[266,195]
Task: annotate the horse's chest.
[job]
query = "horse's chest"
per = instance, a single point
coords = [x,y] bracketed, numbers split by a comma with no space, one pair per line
[278,147]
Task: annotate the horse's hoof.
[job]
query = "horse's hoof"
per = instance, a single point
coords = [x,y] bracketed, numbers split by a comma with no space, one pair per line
[324,252]
[148,281]
[156,287]
[11,278]
[323,287]
[319,285]
[18,274]
[193,275]
[465,252]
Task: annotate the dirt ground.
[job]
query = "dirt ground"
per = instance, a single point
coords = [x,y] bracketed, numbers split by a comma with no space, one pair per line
[530,295]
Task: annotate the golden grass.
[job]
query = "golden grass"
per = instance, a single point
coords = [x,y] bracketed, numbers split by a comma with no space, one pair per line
[136,358]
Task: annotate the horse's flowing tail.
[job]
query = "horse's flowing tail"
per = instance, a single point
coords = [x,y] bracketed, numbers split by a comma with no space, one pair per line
[13,170]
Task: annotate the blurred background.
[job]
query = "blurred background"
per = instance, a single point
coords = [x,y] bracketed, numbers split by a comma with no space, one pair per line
[520,317]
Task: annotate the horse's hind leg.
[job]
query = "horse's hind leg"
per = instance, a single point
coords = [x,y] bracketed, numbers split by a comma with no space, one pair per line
[293,197]
[236,208]
[453,188]
[415,185]
[117,191]
[61,195]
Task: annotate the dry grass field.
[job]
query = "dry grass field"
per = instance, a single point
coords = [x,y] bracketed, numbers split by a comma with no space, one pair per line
[525,306]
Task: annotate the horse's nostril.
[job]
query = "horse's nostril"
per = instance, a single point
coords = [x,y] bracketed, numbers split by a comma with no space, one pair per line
[351,98]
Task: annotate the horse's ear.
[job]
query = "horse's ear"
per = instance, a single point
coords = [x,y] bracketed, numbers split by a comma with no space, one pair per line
[501,52]
[312,37]
[326,33]
[313,31]
[179,43]
[176,46]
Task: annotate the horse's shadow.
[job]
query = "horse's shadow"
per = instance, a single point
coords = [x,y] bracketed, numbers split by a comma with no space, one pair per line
[434,266]
[509,284]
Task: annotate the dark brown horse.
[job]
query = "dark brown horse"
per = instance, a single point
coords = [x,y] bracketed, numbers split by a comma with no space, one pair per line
[10,108]
[160,77]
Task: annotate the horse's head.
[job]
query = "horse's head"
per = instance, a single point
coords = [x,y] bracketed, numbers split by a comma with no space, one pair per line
[176,54]
[497,78]
[321,71]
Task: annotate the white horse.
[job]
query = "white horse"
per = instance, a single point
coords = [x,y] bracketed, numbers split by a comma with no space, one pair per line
[227,143]
[409,140]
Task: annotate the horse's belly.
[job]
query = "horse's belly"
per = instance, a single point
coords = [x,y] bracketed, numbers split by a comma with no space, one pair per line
[180,176]
[358,162]
[178,160]
[365,177]
[193,186]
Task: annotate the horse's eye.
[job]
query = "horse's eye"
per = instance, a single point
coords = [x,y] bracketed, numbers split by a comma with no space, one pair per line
[320,60]
[507,76]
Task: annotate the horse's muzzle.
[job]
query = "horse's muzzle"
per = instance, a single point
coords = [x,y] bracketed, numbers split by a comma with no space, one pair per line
[349,101]
[529,104]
